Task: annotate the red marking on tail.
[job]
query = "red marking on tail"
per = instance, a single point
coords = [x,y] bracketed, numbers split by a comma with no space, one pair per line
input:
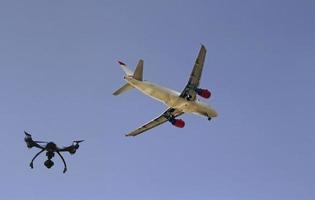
[121,63]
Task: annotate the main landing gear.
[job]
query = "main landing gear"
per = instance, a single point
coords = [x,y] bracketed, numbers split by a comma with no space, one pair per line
[209,118]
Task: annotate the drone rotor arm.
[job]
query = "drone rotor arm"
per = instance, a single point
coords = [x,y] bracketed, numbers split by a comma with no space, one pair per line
[35,144]
[40,142]
[30,142]
[64,148]
[71,148]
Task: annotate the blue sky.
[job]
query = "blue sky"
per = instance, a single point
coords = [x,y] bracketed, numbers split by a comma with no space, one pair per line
[58,70]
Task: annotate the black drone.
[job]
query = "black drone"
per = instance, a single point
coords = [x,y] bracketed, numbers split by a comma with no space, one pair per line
[51,148]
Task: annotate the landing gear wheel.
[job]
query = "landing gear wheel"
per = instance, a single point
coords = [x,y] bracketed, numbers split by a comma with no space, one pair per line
[209,118]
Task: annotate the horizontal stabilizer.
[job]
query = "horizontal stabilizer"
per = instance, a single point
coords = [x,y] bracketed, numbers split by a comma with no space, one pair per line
[123,89]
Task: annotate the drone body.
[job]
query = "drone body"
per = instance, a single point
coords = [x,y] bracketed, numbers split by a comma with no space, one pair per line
[50,148]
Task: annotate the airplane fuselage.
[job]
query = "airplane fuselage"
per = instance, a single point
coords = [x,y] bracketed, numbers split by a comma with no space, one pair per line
[171,98]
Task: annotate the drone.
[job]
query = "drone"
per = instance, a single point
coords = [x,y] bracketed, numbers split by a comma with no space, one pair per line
[50,149]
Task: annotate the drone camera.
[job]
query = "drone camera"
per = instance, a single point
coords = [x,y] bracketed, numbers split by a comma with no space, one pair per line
[49,163]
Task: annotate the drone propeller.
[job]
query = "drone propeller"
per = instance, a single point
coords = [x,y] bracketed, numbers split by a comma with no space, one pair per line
[27,134]
[78,141]
[76,144]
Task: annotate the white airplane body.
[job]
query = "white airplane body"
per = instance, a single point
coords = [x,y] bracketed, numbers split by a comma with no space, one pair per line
[178,103]
[171,98]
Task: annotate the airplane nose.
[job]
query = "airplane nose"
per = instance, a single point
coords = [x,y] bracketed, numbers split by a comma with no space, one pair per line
[215,113]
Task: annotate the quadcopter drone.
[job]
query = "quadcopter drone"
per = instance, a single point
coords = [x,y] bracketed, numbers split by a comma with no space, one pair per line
[51,148]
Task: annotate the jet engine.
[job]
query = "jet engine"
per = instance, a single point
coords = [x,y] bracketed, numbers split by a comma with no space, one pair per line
[179,123]
[203,93]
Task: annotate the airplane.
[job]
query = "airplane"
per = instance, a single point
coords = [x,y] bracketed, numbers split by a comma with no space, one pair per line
[178,103]
[51,148]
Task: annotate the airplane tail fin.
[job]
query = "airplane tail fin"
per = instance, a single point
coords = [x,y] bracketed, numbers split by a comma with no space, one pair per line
[137,74]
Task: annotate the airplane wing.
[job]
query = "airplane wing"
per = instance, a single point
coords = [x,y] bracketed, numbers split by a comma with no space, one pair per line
[195,76]
[156,122]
